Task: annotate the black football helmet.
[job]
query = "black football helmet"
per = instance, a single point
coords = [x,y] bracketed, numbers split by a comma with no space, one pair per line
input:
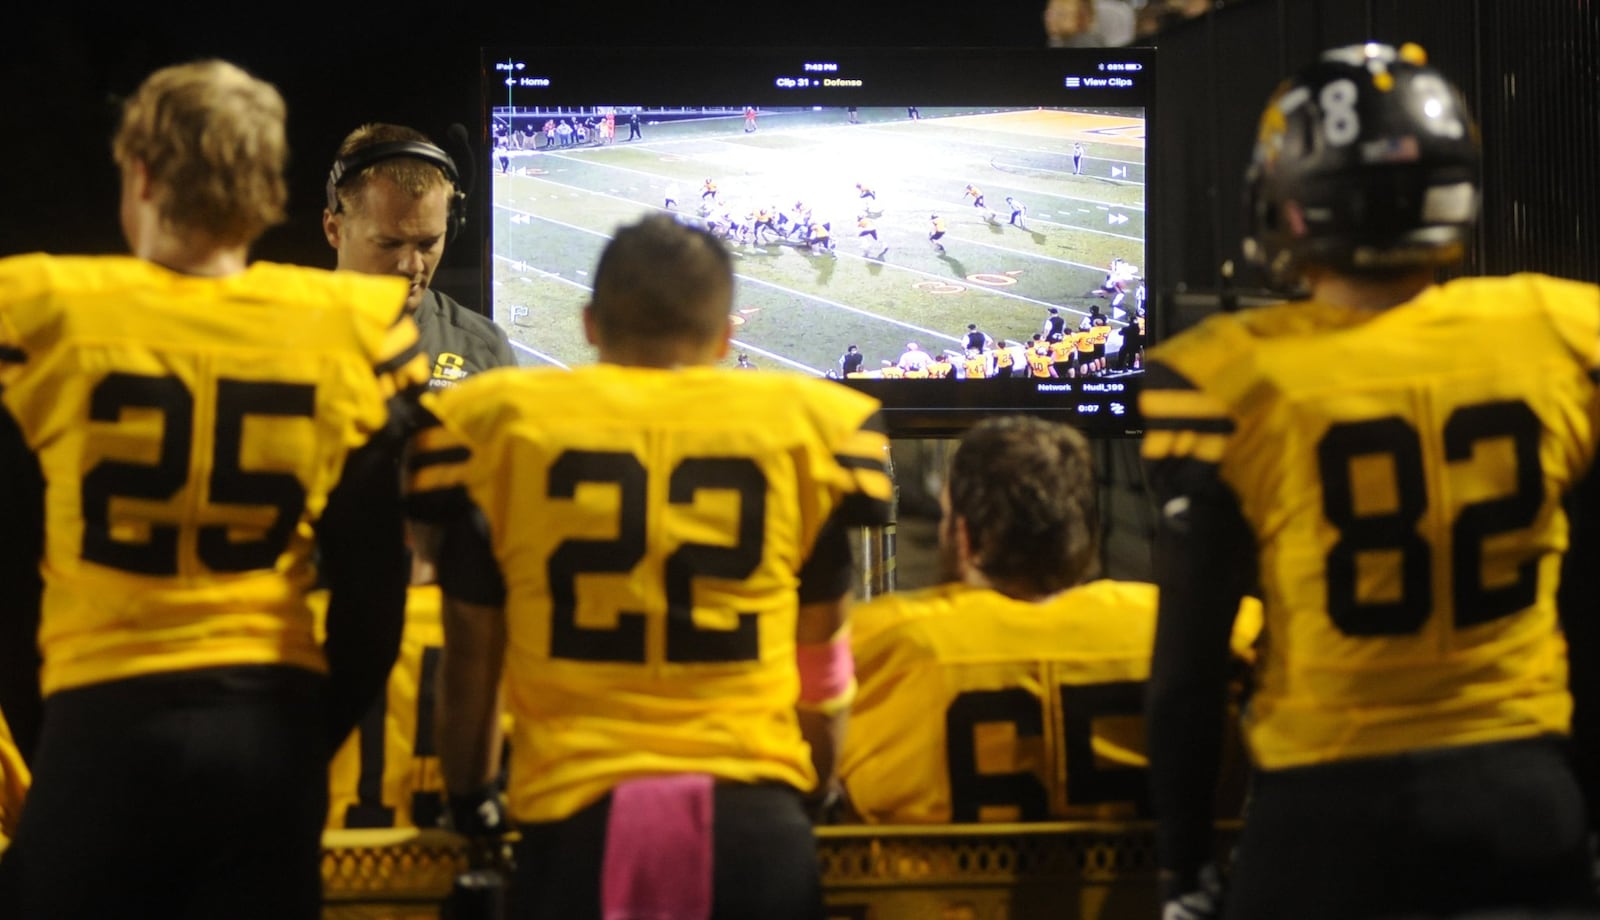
[1365,163]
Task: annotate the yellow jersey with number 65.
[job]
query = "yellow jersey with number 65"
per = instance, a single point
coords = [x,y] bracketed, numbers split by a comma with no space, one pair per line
[974,706]
[189,430]
[651,528]
[1406,503]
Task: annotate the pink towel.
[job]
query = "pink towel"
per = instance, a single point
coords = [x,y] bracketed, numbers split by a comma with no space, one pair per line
[658,850]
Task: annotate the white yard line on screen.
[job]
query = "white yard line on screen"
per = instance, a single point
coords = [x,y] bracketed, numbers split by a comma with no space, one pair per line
[524,266]
[745,346]
[659,177]
[539,354]
[932,204]
[763,283]
[845,255]
[588,162]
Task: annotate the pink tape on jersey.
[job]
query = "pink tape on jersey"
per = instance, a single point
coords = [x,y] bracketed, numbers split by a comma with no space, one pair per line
[658,850]
[825,669]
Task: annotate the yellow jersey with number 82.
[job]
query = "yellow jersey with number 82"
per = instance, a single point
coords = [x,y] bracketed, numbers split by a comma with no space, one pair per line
[1404,485]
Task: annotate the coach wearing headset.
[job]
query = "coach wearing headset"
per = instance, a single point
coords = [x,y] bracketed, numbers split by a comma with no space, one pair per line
[394,198]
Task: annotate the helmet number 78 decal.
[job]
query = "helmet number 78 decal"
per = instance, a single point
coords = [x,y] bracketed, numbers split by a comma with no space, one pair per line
[1340,124]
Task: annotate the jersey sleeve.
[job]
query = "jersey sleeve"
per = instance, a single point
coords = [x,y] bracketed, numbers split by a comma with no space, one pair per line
[1204,561]
[1187,428]
[855,470]
[400,365]
[436,464]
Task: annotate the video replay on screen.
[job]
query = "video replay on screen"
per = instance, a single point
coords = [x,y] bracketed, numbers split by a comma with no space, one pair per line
[958,232]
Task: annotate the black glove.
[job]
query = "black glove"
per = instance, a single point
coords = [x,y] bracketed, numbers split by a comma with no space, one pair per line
[481,818]
[480,892]
[1199,899]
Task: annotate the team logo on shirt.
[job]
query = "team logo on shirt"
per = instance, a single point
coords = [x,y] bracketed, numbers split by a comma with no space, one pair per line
[448,369]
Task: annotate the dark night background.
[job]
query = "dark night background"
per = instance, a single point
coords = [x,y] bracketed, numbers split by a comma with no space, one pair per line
[1531,70]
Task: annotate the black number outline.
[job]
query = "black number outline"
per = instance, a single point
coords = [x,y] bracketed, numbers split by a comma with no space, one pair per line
[626,641]
[1395,530]
[1475,522]
[970,790]
[686,643]
[159,481]
[231,485]
[1086,782]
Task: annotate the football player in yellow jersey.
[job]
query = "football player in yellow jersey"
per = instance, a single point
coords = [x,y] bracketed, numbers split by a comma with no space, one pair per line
[1062,350]
[1013,691]
[393,201]
[1003,358]
[941,367]
[1040,363]
[1399,492]
[976,365]
[201,436]
[663,577]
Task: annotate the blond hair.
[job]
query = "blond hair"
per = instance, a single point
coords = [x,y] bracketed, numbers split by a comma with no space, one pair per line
[412,176]
[211,138]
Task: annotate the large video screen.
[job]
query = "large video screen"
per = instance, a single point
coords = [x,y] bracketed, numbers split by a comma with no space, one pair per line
[959,232]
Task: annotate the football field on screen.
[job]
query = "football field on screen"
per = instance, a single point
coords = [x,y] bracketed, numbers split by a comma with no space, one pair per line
[798,309]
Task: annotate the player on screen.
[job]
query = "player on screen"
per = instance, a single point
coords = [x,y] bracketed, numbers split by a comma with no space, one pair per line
[658,583]
[1403,496]
[976,194]
[1004,358]
[1097,333]
[936,233]
[962,683]
[913,357]
[866,192]
[765,220]
[867,228]
[1119,278]
[1041,361]
[1019,213]
[1065,350]
[975,366]
[209,447]
[708,192]
[941,368]
[1131,356]
[1077,158]
[820,237]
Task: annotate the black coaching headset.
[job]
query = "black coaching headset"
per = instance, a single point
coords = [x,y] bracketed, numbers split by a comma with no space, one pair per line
[346,168]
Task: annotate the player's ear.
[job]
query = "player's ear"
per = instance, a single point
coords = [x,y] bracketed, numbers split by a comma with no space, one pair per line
[331,227]
[137,175]
[963,545]
[588,324]
[722,340]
